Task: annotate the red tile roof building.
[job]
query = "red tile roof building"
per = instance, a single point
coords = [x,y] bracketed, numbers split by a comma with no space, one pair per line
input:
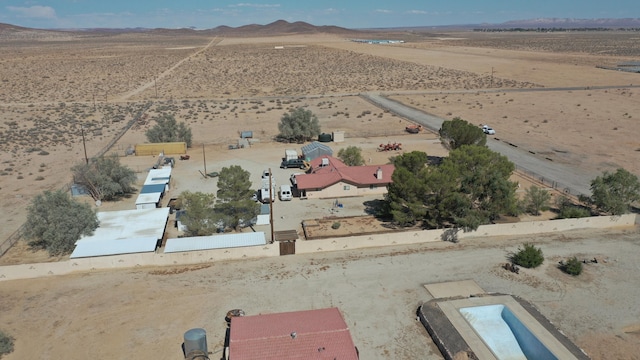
[304,335]
[331,178]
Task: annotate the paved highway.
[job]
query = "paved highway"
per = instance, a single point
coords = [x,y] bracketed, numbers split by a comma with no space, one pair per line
[562,176]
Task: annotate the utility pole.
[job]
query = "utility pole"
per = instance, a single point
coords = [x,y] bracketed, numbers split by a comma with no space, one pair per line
[204,160]
[271,199]
[84,144]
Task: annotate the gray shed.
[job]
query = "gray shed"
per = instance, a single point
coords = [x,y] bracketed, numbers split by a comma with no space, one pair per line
[315,149]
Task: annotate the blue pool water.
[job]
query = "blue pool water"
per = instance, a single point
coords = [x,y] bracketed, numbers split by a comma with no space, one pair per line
[506,336]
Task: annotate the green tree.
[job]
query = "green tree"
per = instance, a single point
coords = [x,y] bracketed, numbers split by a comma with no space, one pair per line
[104,177]
[414,161]
[351,155]
[536,200]
[458,132]
[234,203]
[614,193]
[528,256]
[199,217]
[55,221]
[482,189]
[470,188]
[405,198]
[298,125]
[167,129]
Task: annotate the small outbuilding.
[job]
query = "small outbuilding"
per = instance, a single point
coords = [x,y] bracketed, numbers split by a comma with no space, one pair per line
[315,150]
[264,216]
[338,136]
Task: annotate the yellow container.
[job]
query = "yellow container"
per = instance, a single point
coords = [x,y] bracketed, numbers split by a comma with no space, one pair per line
[165,148]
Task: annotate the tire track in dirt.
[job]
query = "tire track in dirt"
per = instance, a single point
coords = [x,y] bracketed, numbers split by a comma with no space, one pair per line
[216,40]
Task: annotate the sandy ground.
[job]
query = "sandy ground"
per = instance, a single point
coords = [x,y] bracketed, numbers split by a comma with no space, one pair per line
[145,312]
[48,96]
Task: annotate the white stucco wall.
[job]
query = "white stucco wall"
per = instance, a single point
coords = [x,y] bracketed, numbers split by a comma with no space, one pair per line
[26,271]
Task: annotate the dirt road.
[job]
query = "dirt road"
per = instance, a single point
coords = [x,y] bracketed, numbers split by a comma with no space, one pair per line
[576,180]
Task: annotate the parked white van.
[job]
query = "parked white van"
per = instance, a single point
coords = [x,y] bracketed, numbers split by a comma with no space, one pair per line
[285,193]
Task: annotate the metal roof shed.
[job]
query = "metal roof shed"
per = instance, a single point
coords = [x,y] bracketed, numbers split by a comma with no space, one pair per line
[113,247]
[159,176]
[214,242]
[130,224]
[315,149]
[124,232]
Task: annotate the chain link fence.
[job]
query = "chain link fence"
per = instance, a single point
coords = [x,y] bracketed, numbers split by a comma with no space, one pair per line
[556,185]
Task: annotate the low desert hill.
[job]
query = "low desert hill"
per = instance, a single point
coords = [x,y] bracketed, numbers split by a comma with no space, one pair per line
[280,27]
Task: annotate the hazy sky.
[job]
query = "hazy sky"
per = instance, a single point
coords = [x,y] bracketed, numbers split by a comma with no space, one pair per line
[346,13]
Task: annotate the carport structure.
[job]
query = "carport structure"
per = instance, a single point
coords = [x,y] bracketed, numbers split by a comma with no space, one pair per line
[124,232]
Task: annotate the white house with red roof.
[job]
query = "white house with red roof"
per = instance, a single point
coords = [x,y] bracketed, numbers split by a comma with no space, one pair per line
[310,334]
[331,178]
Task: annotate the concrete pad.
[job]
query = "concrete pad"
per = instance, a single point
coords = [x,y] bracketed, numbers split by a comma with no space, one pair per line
[449,289]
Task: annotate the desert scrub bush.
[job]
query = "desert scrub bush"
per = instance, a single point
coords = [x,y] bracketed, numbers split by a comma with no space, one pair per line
[528,256]
[335,225]
[39,178]
[43,153]
[6,344]
[567,210]
[572,266]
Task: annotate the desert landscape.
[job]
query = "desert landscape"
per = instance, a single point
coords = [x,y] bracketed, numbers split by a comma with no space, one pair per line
[540,91]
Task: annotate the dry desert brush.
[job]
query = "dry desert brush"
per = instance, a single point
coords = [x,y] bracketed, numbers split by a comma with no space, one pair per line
[6,344]
[167,129]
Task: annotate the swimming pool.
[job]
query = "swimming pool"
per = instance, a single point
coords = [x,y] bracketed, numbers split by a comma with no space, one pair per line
[505,334]
[463,320]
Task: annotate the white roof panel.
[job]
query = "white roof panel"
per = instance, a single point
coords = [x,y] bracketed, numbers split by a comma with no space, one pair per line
[129,224]
[161,176]
[215,242]
[148,198]
[113,247]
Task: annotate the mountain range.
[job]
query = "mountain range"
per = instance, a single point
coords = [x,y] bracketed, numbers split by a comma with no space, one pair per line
[282,27]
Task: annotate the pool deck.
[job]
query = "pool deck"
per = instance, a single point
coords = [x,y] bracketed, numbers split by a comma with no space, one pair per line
[453,335]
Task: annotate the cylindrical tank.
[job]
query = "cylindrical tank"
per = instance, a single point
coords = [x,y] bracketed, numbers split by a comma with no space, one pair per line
[195,340]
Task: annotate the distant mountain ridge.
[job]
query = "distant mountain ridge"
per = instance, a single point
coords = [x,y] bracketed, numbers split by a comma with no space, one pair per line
[279,27]
[569,23]
[283,27]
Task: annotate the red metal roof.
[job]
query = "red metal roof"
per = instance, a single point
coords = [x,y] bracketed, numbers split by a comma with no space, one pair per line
[335,171]
[305,335]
